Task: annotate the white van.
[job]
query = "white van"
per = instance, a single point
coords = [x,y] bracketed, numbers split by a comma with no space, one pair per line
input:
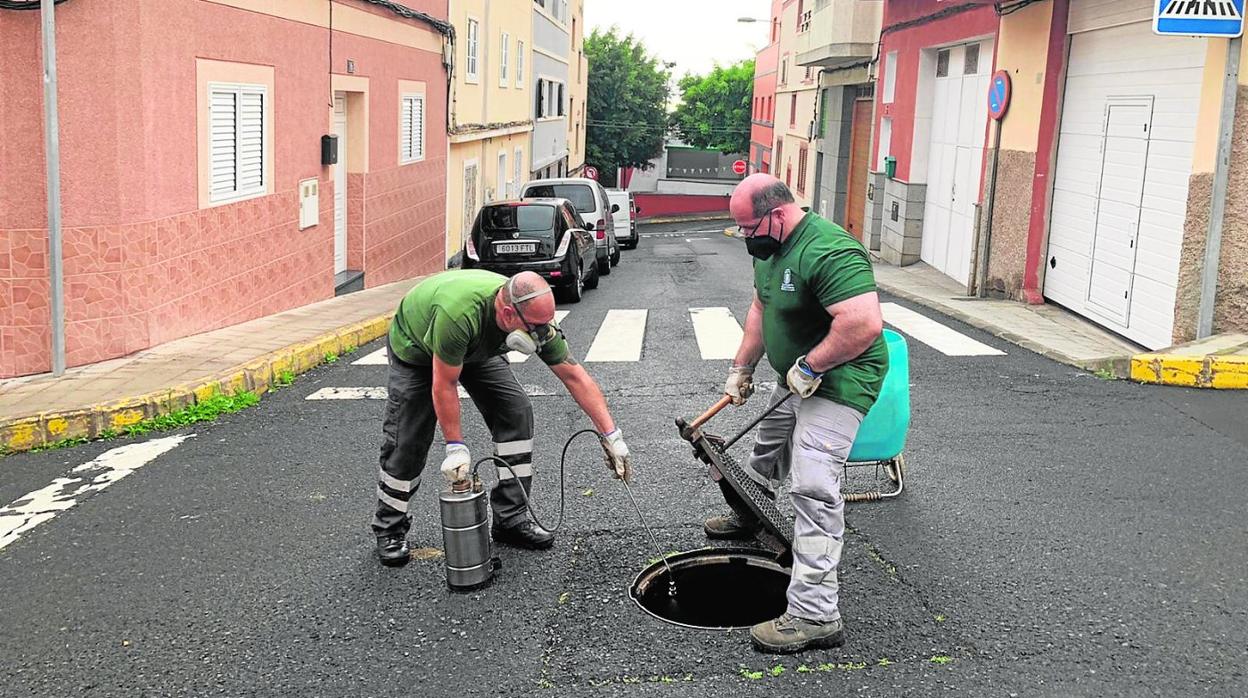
[591,203]
[626,219]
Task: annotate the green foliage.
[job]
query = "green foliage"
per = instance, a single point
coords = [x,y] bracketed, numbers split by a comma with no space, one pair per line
[331,357]
[285,379]
[752,675]
[63,443]
[715,109]
[628,91]
[205,411]
[776,670]
[940,659]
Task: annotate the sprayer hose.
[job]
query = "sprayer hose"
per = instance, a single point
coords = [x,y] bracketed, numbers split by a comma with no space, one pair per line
[499,464]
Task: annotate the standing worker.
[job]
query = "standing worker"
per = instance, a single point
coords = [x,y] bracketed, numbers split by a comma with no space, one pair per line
[816,315]
[454,328]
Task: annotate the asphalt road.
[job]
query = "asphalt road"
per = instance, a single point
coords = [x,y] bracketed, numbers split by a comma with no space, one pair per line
[1060,535]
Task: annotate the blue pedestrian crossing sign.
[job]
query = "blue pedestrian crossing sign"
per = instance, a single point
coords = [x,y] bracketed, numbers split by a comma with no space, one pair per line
[1221,18]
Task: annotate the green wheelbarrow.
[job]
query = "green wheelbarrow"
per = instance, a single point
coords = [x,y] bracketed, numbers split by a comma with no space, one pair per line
[881,438]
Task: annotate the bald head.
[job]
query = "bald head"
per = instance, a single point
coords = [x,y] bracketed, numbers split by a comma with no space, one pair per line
[760,194]
[538,304]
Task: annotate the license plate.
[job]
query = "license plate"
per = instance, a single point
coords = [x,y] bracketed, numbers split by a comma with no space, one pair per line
[515,247]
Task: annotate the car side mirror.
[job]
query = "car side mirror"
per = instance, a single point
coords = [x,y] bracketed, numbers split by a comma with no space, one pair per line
[636,211]
[615,208]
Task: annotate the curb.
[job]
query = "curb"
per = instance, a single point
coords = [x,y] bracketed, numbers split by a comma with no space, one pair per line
[258,375]
[1219,371]
[684,219]
[1119,366]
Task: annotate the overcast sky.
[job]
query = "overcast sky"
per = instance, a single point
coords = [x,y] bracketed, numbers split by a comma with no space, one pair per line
[695,34]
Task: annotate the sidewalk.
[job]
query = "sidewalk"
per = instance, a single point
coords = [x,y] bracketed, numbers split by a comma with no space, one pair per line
[109,396]
[1044,329]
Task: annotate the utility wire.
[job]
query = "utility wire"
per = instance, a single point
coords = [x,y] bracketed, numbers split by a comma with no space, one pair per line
[24,4]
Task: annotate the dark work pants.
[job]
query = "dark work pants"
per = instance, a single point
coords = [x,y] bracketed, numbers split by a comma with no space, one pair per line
[408,433]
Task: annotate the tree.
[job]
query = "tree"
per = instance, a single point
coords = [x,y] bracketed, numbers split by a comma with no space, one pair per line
[625,121]
[715,109]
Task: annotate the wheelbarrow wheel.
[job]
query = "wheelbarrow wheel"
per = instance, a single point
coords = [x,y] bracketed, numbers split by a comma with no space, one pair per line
[895,469]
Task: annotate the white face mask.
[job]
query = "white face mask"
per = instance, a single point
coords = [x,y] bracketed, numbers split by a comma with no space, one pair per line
[528,342]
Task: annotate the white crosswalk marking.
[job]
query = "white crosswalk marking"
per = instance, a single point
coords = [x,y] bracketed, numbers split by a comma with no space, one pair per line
[619,337]
[943,339]
[376,358]
[64,493]
[516,357]
[379,393]
[719,334]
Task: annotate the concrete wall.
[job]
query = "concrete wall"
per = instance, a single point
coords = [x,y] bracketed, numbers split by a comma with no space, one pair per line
[550,134]
[145,262]
[837,109]
[792,126]
[657,205]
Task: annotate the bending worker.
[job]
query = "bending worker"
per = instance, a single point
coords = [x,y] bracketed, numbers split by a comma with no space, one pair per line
[816,315]
[454,328]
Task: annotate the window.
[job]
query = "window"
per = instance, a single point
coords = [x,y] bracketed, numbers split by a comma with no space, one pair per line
[890,77]
[775,30]
[801,170]
[519,63]
[788,175]
[473,27]
[237,145]
[793,109]
[771,108]
[470,194]
[517,179]
[581,196]
[942,63]
[808,73]
[412,129]
[500,185]
[885,142]
[784,72]
[504,57]
[970,63]
[539,106]
[559,100]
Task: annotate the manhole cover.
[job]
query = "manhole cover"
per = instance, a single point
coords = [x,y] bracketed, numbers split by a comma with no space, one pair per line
[717,589]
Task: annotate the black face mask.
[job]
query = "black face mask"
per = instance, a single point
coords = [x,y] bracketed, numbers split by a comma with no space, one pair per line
[762,246]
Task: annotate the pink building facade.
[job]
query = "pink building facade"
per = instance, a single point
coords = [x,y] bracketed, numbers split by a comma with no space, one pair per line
[191,143]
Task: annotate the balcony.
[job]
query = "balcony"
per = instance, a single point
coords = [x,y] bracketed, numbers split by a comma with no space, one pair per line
[841,32]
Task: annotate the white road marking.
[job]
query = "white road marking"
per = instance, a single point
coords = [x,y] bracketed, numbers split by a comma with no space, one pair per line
[376,358]
[44,504]
[516,357]
[719,334]
[379,393]
[620,337]
[943,339]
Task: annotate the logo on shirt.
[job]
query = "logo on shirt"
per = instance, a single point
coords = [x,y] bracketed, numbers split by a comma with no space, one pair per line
[787,283]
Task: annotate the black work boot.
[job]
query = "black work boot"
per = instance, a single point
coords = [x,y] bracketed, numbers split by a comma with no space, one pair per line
[788,634]
[525,534]
[392,550]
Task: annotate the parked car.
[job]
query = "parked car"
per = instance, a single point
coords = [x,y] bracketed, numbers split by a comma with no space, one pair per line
[541,235]
[626,219]
[590,200]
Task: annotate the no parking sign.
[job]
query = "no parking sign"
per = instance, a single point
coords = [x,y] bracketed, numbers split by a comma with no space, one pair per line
[999,95]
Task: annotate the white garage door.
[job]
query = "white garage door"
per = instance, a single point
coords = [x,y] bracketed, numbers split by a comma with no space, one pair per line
[1120,184]
[955,160]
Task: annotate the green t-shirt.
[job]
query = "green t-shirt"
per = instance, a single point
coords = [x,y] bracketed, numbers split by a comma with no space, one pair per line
[451,315]
[819,265]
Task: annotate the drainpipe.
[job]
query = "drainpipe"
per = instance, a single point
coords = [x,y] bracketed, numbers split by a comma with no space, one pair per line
[1221,177]
[52,148]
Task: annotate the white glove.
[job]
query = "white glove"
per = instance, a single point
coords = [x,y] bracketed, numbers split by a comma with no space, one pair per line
[740,384]
[457,462]
[616,452]
[802,379]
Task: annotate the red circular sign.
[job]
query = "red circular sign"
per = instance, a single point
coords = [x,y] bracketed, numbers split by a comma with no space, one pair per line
[591,172]
[739,167]
[999,95]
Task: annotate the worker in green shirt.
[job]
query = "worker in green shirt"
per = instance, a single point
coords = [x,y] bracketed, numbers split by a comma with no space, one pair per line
[452,329]
[816,316]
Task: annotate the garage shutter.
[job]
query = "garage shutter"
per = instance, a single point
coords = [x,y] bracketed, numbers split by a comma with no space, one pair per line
[236,141]
[1089,15]
[1124,159]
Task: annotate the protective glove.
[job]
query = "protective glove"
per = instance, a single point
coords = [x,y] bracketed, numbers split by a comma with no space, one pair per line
[616,453]
[457,463]
[802,380]
[740,385]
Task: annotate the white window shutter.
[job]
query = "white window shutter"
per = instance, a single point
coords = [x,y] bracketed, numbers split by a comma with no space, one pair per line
[405,130]
[251,142]
[222,120]
[412,129]
[418,127]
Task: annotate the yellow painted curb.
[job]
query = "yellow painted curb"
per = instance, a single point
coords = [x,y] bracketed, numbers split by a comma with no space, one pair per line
[1219,371]
[258,375]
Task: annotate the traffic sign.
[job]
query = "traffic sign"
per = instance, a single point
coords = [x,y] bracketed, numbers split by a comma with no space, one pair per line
[999,95]
[738,167]
[591,172]
[1221,18]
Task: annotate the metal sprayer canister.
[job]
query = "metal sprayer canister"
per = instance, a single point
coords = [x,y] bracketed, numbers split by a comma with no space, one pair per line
[466,535]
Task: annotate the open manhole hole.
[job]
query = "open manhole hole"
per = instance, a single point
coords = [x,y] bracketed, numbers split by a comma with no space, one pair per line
[717,589]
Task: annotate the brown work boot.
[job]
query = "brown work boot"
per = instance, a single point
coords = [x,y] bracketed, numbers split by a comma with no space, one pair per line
[730,527]
[788,634]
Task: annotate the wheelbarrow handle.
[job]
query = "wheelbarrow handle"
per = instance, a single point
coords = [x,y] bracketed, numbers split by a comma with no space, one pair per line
[715,409]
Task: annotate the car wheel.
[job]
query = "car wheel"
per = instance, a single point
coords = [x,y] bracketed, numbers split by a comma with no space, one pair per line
[592,277]
[604,266]
[615,258]
[574,291]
